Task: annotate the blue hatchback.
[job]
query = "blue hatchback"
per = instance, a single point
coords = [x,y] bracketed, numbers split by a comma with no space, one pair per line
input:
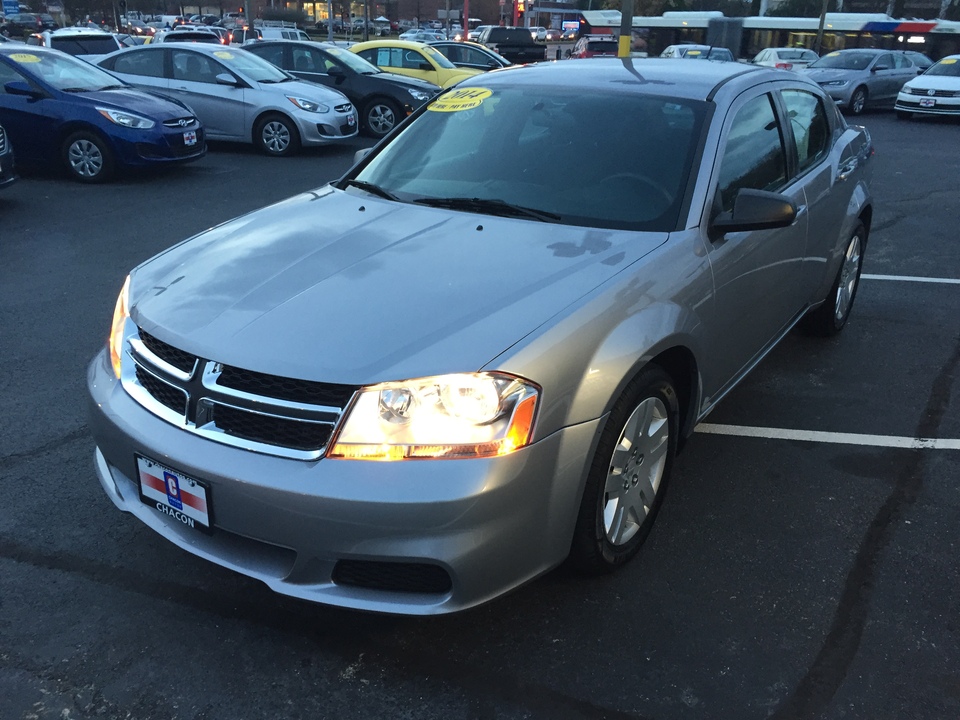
[60,110]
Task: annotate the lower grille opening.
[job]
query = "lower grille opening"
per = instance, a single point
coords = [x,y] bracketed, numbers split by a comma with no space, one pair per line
[295,434]
[393,576]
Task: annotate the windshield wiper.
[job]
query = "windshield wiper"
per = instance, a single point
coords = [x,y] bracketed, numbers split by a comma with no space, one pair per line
[113,87]
[490,206]
[370,188]
[75,90]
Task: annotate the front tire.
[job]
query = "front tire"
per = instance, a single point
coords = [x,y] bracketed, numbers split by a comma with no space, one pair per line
[831,317]
[858,101]
[628,475]
[277,135]
[380,117]
[87,157]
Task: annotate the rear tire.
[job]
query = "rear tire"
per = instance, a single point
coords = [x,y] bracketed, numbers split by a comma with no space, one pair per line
[628,475]
[831,317]
[87,157]
[277,135]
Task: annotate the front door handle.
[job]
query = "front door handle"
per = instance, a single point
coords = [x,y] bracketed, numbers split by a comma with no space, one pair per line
[846,169]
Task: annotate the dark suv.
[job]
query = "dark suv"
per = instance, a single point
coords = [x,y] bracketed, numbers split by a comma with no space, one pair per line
[513,43]
[20,24]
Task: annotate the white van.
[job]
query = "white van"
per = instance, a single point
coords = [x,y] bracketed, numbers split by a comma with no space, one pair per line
[252,34]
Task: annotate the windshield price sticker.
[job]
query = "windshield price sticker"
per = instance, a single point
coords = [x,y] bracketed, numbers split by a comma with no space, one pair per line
[224,55]
[24,58]
[948,61]
[460,100]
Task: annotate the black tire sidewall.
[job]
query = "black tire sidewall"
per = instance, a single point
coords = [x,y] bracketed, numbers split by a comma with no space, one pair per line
[590,550]
[859,91]
[823,321]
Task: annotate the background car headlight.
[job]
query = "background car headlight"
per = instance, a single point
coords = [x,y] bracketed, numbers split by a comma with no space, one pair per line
[834,83]
[126,119]
[308,105]
[120,314]
[467,415]
[420,95]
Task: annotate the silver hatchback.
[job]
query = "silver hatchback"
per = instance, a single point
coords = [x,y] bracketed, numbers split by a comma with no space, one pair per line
[428,382]
[238,96]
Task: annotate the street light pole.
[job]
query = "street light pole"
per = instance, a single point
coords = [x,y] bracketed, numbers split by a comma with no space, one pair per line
[626,29]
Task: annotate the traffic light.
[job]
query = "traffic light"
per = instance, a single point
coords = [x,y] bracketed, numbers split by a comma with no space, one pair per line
[240,10]
[521,6]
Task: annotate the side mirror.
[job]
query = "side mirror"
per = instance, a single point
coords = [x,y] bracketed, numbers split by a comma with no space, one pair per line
[360,155]
[227,79]
[426,66]
[920,71]
[756,210]
[19,87]
[878,68]
[335,72]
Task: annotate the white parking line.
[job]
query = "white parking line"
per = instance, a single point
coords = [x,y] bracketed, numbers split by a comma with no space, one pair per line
[911,278]
[889,441]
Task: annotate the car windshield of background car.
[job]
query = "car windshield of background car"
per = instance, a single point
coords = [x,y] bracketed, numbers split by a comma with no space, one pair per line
[94,45]
[252,66]
[949,67]
[843,61]
[438,58]
[353,61]
[803,55]
[497,145]
[64,72]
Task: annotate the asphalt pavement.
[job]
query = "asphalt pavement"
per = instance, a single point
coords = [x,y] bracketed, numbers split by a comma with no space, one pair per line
[804,564]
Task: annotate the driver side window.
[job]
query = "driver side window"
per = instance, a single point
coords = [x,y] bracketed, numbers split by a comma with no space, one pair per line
[754,155]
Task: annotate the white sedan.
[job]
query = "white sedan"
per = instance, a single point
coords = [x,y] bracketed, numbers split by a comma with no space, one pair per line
[936,92]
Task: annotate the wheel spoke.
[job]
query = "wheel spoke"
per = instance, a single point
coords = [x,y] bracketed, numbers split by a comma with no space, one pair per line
[615,522]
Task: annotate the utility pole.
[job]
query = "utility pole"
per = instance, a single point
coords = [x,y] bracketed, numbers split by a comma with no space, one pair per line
[823,19]
[626,29]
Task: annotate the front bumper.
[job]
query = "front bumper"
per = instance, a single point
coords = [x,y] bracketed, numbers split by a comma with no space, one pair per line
[158,146]
[922,104]
[328,127]
[489,524]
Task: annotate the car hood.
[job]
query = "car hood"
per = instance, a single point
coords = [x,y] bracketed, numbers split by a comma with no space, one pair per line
[306,90]
[138,101]
[821,75]
[935,82]
[341,287]
[406,81]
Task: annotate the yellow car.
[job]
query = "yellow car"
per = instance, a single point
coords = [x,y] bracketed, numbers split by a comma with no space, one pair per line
[414,59]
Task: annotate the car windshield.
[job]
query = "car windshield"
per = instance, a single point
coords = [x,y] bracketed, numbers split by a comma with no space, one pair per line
[602,46]
[352,61]
[64,72]
[438,58]
[488,151]
[844,61]
[948,66]
[253,67]
[84,44]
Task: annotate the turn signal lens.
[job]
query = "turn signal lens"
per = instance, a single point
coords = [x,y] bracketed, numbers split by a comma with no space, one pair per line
[120,314]
[468,415]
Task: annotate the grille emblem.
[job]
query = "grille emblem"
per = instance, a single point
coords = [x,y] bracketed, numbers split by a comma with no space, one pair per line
[183,122]
[931,92]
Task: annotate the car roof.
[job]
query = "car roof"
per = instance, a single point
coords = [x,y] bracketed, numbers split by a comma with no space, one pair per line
[655,76]
[405,44]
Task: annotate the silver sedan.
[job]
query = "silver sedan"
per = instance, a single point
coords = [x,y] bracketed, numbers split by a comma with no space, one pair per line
[857,79]
[238,96]
[422,385]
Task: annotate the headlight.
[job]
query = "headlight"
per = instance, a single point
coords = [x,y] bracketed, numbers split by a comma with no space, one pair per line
[126,119]
[120,314]
[450,416]
[419,95]
[308,105]
[834,83]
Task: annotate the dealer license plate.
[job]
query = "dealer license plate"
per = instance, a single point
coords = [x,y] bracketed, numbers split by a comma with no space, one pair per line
[190,137]
[928,102]
[174,494]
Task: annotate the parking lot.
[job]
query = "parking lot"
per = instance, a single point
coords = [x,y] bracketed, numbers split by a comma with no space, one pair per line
[803,566]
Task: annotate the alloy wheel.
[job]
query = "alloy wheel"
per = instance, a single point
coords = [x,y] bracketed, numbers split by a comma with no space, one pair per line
[85,158]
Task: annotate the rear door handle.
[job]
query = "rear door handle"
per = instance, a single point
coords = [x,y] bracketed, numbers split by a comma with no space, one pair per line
[846,169]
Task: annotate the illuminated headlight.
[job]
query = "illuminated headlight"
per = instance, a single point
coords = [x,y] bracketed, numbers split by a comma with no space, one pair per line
[120,314]
[126,119]
[308,105]
[419,95]
[834,83]
[445,417]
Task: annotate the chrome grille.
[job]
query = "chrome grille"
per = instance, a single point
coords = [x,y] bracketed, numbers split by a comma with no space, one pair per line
[926,93]
[183,122]
[345,108]
[253,410]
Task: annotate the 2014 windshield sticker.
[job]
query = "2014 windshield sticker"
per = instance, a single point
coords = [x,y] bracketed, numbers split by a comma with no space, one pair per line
[224,55]
[460,100]
[24,58]
[948,61]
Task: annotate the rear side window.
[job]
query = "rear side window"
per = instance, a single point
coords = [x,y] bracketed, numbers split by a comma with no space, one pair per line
[811,129]
[754,154]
